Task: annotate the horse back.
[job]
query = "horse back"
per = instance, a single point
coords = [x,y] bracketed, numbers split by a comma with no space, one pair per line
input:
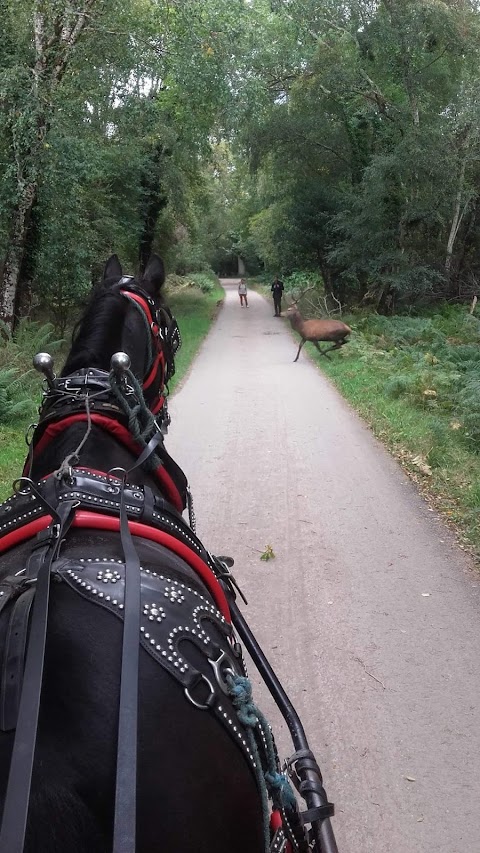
[192,774]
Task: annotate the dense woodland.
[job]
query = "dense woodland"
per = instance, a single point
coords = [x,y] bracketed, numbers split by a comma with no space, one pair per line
[340,137]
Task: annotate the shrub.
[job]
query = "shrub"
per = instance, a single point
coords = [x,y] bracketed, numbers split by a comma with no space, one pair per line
[301,280]
[206,281]
[13,402]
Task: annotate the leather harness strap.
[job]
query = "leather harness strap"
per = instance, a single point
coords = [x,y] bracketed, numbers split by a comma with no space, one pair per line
[124,830]
[14,659]
[15,813]
[125,817]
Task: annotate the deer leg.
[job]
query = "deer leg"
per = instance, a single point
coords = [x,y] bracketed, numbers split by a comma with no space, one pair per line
[298,353]
[337,345]
[322,351]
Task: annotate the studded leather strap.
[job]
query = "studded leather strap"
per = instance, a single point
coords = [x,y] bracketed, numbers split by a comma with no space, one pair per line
[173,613]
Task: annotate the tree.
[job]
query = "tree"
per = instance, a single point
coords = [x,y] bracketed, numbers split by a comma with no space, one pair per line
[47,35]
[368,143]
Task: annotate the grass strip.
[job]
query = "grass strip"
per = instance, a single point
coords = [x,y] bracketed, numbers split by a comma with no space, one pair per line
[195,312]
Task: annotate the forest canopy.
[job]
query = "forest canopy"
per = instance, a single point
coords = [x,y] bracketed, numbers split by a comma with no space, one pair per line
[336,137]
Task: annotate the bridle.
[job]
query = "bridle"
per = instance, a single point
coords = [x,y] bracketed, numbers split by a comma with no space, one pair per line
[96,396]
[164,342]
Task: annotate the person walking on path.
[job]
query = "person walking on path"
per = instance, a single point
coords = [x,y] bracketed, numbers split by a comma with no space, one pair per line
[242,292]
[277,290]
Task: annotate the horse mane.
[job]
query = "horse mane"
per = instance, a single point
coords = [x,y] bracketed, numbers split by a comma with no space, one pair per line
[97,333]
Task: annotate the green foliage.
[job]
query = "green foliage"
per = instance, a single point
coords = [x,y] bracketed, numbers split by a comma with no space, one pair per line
[114,150]
[366,148]
[468,398]
[433,362]
[436,435]
[268,554]
[206,281]
[341,139]
[194,311]
[299,280]
[13,403]
[19,383]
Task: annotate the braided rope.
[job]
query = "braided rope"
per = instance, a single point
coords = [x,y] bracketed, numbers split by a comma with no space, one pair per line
[271,783]
[141,422]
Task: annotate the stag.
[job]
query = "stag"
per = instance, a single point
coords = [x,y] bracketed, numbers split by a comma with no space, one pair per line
[317,330]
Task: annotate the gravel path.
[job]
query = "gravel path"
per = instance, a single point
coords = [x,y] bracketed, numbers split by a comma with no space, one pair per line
[369,611]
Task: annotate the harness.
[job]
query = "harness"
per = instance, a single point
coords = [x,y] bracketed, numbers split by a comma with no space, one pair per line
[164,334]
[158,609]
[160,612]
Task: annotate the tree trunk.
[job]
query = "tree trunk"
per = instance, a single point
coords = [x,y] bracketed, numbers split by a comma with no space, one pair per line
[458,213]
[154,200]
[14,257]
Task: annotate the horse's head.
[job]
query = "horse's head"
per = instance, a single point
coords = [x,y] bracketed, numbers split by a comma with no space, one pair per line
[129,315]
[99,396]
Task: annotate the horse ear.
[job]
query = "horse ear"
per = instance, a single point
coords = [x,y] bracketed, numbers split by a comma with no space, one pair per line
[155,271]
[113,268]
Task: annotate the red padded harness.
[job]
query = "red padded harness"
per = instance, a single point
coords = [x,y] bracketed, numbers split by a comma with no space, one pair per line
[159,358]
[121,434]
[97,521]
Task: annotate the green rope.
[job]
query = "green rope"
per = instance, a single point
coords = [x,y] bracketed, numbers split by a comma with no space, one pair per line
[141,422]
[271,783]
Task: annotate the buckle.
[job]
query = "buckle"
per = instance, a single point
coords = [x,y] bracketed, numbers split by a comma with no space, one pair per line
[221,670]
[208,702]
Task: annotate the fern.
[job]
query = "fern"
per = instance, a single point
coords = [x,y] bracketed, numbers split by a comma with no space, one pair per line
[19,383]
[13,402]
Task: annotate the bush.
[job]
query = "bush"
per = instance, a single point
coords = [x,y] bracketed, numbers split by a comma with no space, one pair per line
[13,403]
[206,281]
[299,281]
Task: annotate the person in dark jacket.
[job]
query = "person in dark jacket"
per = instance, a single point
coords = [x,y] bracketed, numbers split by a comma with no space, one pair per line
[277,290]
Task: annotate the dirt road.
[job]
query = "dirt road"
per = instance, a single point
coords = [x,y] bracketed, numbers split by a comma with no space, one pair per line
[369,611]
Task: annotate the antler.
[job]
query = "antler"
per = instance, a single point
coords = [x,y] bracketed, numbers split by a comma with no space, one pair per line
[312,286]
[302,294]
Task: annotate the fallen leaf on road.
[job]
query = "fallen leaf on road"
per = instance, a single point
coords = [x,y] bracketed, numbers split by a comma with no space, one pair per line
[410,778]
[268,554]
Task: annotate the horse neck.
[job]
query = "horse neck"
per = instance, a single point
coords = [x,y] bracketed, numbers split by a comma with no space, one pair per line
[101,452]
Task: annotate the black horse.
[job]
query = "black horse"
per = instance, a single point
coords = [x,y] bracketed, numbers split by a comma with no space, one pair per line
[139,746]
